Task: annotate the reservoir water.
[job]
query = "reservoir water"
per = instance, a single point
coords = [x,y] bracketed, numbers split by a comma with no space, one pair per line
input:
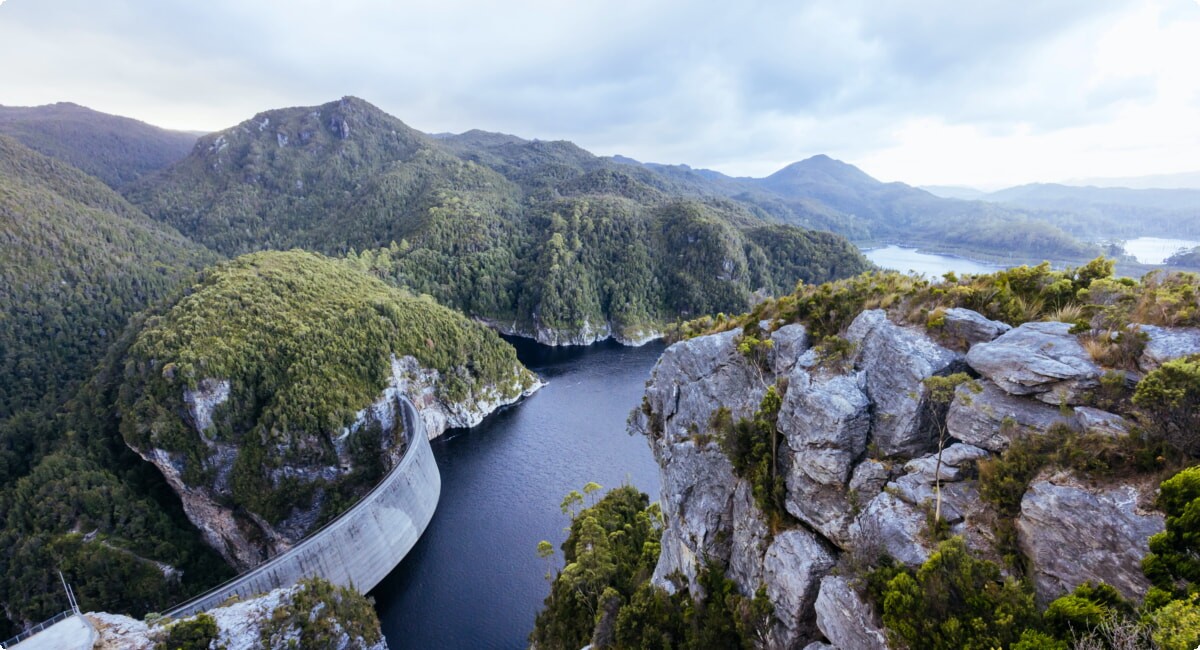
[932,266]
[1155,250]
[474,580]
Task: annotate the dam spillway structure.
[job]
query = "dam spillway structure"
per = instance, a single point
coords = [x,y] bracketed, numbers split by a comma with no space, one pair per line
[362,545]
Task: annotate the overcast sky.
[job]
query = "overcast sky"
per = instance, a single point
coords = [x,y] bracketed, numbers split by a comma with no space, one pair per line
[983,93]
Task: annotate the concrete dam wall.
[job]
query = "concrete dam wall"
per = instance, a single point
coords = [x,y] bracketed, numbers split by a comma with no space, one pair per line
[363,544]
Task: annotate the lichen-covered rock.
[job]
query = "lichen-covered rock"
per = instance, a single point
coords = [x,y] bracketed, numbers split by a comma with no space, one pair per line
[1073,533]
[1040,359]
[750,539]
[697,487]
[240,625]
[992,418]
[893,526]
[788,343]
[971,327]
[690,381]
[895,361]
[1093,420]
[845,619]
[825,420]
[1166,343]
[868,479]
[793,567]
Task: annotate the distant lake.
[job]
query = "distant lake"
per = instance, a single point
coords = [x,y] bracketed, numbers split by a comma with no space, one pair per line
[1155,250]
[908,260]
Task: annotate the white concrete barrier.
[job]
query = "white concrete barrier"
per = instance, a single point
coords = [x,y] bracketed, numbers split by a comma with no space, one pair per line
[362,545]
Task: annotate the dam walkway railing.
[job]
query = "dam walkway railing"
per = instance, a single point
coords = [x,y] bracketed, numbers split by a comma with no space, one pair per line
[363,544]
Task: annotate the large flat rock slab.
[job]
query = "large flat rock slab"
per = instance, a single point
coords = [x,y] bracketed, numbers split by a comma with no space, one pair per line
[1040,359]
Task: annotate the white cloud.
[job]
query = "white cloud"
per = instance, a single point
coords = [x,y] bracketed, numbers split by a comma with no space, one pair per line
[927,91]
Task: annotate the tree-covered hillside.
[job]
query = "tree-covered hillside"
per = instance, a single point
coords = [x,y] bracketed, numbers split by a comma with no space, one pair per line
[303,344]
[827,194]
[117,150]
[542,237]
[76,260]
[75,498]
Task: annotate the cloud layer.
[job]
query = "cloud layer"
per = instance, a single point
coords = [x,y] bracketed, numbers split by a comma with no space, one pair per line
[928,91]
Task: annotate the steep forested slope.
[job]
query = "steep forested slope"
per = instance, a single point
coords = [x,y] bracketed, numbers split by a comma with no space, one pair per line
[117,150]
[542,237]
[260,392]
[75,261]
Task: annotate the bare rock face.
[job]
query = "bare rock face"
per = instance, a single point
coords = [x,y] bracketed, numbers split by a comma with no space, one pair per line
[788,343]
[971,327]
[697,487]
[894,526]
[896,360]
[1166,343]
[200,403]
[245,539]
[750,539]
[1040,359]
[845,619]
[691,380]
[825,421]
[1074,533]
[793,567]
[992,418]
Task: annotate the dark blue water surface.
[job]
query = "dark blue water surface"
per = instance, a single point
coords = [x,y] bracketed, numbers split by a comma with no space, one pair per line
[474,580]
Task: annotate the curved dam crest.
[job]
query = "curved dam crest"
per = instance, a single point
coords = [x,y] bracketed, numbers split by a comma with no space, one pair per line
[362,545]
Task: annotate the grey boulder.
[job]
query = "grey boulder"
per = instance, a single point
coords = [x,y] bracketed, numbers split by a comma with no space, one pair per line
[1040,359]
[971,327]
[896,361]
[845,618]
[1073,533]
[1166,343]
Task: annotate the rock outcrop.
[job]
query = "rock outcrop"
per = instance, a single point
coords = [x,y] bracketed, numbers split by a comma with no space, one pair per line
[1166,343]
[845,618]
[858,454]
[239,625]
[245,539]
[991,418]
[896,360]
[1040,359]
[792,569]
[971,327]
[1074,533]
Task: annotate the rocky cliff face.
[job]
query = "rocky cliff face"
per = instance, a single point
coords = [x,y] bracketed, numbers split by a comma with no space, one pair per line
[245,538]
[859,461]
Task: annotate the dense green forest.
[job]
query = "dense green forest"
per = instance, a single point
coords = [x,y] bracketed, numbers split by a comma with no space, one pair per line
[305,342]
[76,261]
[74,497]
[116,150]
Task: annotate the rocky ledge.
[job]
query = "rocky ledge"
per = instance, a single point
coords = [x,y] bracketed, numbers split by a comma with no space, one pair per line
[859,443]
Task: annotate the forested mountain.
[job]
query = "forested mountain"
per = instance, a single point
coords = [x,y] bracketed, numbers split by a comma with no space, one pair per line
[260,391]
[117,150]
[76,260]
[1115,212]
[827,194]
[542,238]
